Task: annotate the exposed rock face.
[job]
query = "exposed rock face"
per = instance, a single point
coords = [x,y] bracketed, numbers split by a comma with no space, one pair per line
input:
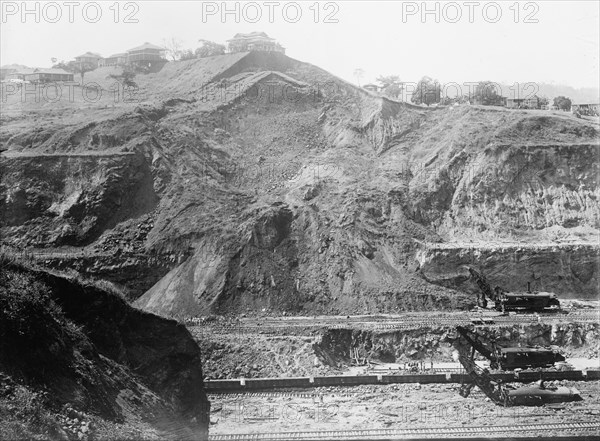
[338,345]
[160,351]
[71,199]
[258,181]
[126,364]
[571,271]
[510,189]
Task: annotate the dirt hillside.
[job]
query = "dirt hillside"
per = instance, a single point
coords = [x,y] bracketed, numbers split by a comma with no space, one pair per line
[254,181]
[78,362]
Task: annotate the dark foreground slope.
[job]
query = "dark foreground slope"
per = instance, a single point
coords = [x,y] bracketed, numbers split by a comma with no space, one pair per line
[72,350]
[257,182]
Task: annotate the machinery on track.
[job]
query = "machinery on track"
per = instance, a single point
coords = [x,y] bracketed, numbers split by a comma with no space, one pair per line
[512,301]
[511,357]
[504,394]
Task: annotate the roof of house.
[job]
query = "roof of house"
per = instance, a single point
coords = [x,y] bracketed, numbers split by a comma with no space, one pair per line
[251,36]
[534,97]
[89,55]
[146,45]
[51,71]
[34,70]
[23,71]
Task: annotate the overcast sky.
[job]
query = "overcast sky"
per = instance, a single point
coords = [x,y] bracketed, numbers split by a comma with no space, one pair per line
[554,42]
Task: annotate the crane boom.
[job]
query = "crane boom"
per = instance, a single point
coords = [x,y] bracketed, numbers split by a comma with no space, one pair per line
[491,355]
[483,285]
[494,390]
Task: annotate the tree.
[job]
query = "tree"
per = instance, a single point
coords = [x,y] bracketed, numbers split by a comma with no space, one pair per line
[126,78]
[173,48]
[562,102]
[61,65]
[209,49]
[391,85]
[428,92]
[187,54]
[359,73]
[486,93]
[388,80]
[393,90]
[79,67]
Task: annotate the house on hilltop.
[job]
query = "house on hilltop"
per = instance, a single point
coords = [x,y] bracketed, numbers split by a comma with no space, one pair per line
[8,69]
[48,75]
[19,74]
[114,60]
[5,71]
[145,53]
[148,56]
[533,102]
[592,109]
[89,57]
[254,41]
[40,75]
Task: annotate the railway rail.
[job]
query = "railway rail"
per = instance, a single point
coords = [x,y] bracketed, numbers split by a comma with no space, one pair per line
[438,432]
[272,394]
[300,395]
[291,325]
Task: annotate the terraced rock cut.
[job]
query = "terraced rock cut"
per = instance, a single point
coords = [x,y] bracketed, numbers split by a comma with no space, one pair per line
[254,181]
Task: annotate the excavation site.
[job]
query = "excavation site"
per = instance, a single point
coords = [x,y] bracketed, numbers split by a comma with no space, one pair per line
[230,242]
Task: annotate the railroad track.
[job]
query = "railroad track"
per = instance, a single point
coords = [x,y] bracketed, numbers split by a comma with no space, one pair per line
[274,394]
[302,395]
[409,321]
[395,325]
[392,434]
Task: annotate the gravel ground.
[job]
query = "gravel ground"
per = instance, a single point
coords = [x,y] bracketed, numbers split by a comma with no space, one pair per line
[395,406]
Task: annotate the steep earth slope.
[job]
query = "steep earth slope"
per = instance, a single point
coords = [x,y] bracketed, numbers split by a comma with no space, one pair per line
[87,350]
[254,181]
